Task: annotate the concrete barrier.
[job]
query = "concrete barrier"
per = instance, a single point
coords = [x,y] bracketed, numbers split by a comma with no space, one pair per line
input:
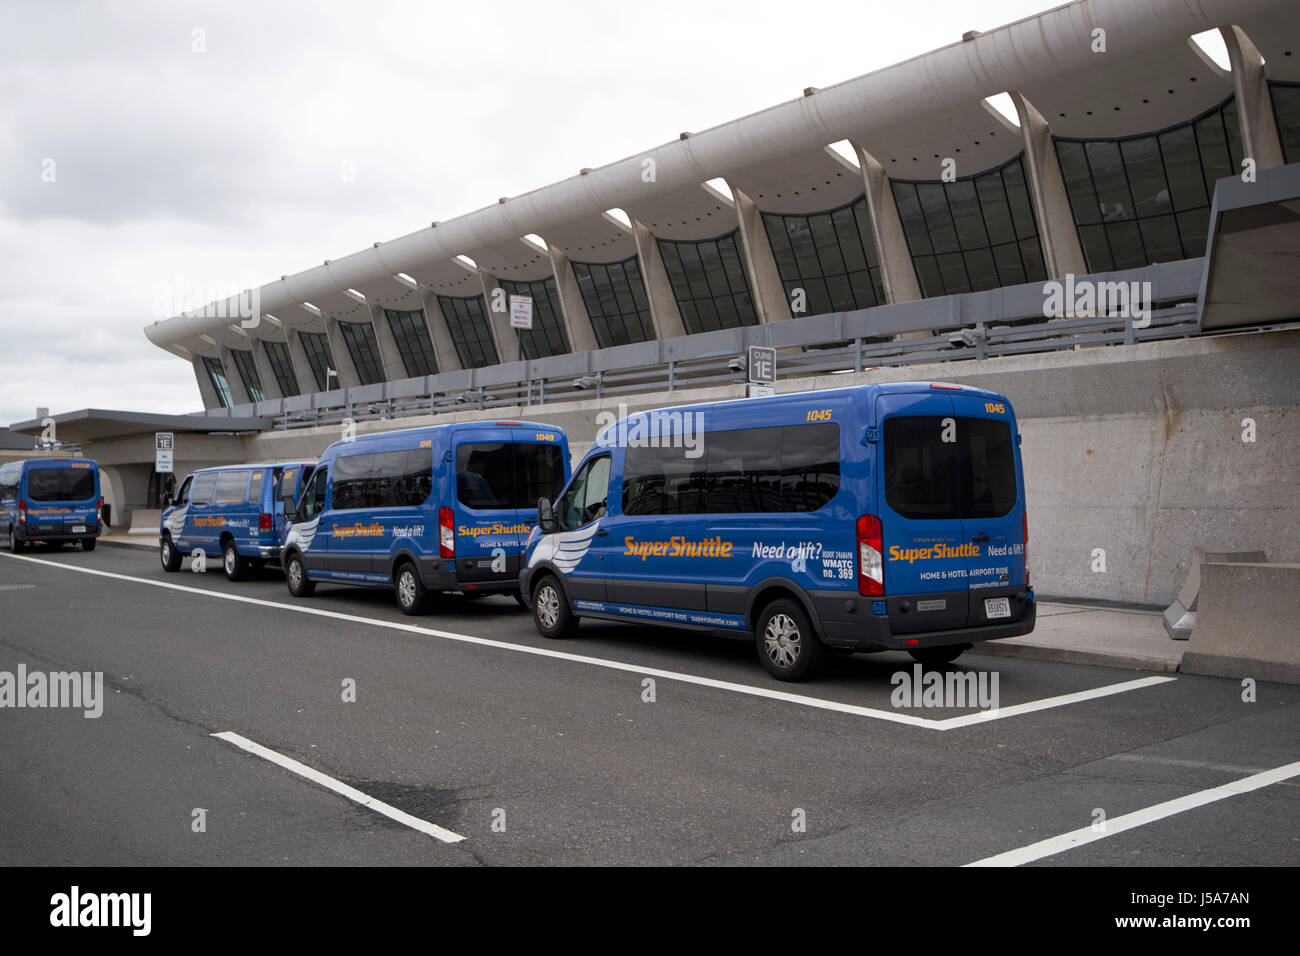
[1180,616]
[1247,623]
[145,521]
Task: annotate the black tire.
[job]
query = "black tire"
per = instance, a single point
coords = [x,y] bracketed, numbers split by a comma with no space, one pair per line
[938,656]
[15,546]
[295,577]
[787,645]
[87,544]
[412,595]
[551,612]
[232,562]
[171,558]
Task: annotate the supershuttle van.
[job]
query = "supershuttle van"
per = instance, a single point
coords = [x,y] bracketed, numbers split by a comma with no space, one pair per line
[236,512]
[425,511]
[872,518]
[54,500]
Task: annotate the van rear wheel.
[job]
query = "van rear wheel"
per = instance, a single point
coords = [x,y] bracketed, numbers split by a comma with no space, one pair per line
[551,611]
[15,546]
[786,643]
[295,577]
[938,656]
[171,558]
[233,563]
[412,596]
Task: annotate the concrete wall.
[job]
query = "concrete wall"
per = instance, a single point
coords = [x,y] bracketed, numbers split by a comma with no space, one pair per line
[1135,450]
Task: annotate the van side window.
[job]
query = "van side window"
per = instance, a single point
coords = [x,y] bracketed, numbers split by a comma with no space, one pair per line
[313,496]
[255,488]
[588,495]
[926,477]
[9,477]
[288,485]
[662,481]
[744,470]
[203,485]
[810,465]
[387,479]
[232,487]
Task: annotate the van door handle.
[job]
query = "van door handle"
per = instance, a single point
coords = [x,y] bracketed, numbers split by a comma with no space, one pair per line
[602,534]
[980,537]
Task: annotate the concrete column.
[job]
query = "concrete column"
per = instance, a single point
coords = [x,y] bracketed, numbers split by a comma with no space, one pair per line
[389,354]
[206,390]
[348,377]
[301,366]
[270,384]
[764,279]
[444,348]
[238,394]
[897,274]
[582,337]
[664,314]
[504,337]
[1062,253]
[1254,105]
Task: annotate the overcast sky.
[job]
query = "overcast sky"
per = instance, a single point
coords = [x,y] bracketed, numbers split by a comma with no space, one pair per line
[216,158]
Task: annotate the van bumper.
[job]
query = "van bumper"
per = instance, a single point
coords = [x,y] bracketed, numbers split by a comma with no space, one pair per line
[439,574]
[861,630]
[93,530]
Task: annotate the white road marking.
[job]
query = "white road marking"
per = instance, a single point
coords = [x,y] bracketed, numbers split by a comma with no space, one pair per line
[1068,841]
[910,720]
[352,793]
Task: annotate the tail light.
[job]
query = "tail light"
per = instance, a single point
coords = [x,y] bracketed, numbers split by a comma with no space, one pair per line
[22,512]
[265,523]
[99,511]
[871,567]
[1024,536]
[446,533]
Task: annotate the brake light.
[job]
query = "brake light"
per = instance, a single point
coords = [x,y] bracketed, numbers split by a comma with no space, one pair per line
[946,387]
[1024,535]
[264,523]
[871,568]
[99,511]
[22,512]
[446,533]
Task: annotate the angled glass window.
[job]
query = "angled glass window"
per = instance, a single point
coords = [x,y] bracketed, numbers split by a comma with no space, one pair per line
[359,337]
[830,255]
[277,354]
[972,234]
[467,321]
[1286,111]
[614,293]
[709,283]
[247,369]
[217,375]
[547,336]
[319,357]
[1146,198]
[411,333]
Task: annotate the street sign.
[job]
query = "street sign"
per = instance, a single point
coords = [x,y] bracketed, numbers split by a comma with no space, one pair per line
[162,444]
[521,311]
[761,364]
[760,391]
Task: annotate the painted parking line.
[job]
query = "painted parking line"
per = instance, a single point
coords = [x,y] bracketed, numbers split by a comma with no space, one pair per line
[1068,841]
[910,720]
[329,783]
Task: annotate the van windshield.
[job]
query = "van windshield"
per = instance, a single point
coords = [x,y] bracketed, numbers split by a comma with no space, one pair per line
[971,475]
[501,475]
[60,484]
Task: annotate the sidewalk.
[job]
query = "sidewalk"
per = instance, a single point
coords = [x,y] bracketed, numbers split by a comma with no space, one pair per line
[120,539]
[1087,634]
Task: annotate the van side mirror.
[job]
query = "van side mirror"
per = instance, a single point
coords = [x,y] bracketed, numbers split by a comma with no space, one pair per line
[545,516]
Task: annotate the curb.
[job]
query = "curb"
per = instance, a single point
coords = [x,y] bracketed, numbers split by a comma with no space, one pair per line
[120,543]
[1066,655]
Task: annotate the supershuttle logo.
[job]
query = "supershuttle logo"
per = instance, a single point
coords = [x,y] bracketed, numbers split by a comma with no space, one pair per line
[939,551]
[466,531]
[677,548]
[358,530]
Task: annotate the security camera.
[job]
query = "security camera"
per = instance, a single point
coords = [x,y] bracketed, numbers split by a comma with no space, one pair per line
[737,364]
[965,337]
[586,382]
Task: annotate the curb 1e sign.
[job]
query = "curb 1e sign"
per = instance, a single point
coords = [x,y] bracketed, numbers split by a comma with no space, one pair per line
[162,444]
[760,363]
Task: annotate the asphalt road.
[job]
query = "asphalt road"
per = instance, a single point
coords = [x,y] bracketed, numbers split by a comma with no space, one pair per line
[547,758]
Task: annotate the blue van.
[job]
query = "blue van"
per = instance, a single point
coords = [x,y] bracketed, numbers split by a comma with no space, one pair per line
[236,511]
[429,510]
[54,500]
[858,519]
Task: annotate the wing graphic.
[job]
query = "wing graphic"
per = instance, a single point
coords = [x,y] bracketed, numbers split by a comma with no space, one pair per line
[301,534]
[564,549]
[175,522]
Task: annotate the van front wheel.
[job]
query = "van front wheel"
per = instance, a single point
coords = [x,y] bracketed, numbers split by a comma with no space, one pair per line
[171,558]
[551,611]
[786,644]
[412,597]
[295,577]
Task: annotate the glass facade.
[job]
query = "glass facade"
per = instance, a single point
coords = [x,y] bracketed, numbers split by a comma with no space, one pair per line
[467,321]
[614,293]
[359,337]
[217,375]
[830,255]
[971,234]
[411,333]
[1146,198]
[319,357]
[247,369]
[277,354]
[547,336]
[709,282]
[1286,111]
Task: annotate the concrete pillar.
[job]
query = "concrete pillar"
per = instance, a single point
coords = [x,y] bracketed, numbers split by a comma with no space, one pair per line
[897,275]
[347,377]
[1062,253]
[238,393]
[444,348]
[764,279]
[301,366]
[270,384]
[577,323]
[206,389]
[389,354]
[1254,106]
[504,337]
[664,314]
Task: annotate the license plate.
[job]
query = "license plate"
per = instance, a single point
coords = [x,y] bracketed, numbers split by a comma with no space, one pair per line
[78,529]
[997,607]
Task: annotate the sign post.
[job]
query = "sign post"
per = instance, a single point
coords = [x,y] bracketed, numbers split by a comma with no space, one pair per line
[760,364]
[162,444]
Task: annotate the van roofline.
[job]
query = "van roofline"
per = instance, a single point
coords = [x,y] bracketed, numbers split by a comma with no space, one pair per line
[429,430]
[254,464]
[53,461]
